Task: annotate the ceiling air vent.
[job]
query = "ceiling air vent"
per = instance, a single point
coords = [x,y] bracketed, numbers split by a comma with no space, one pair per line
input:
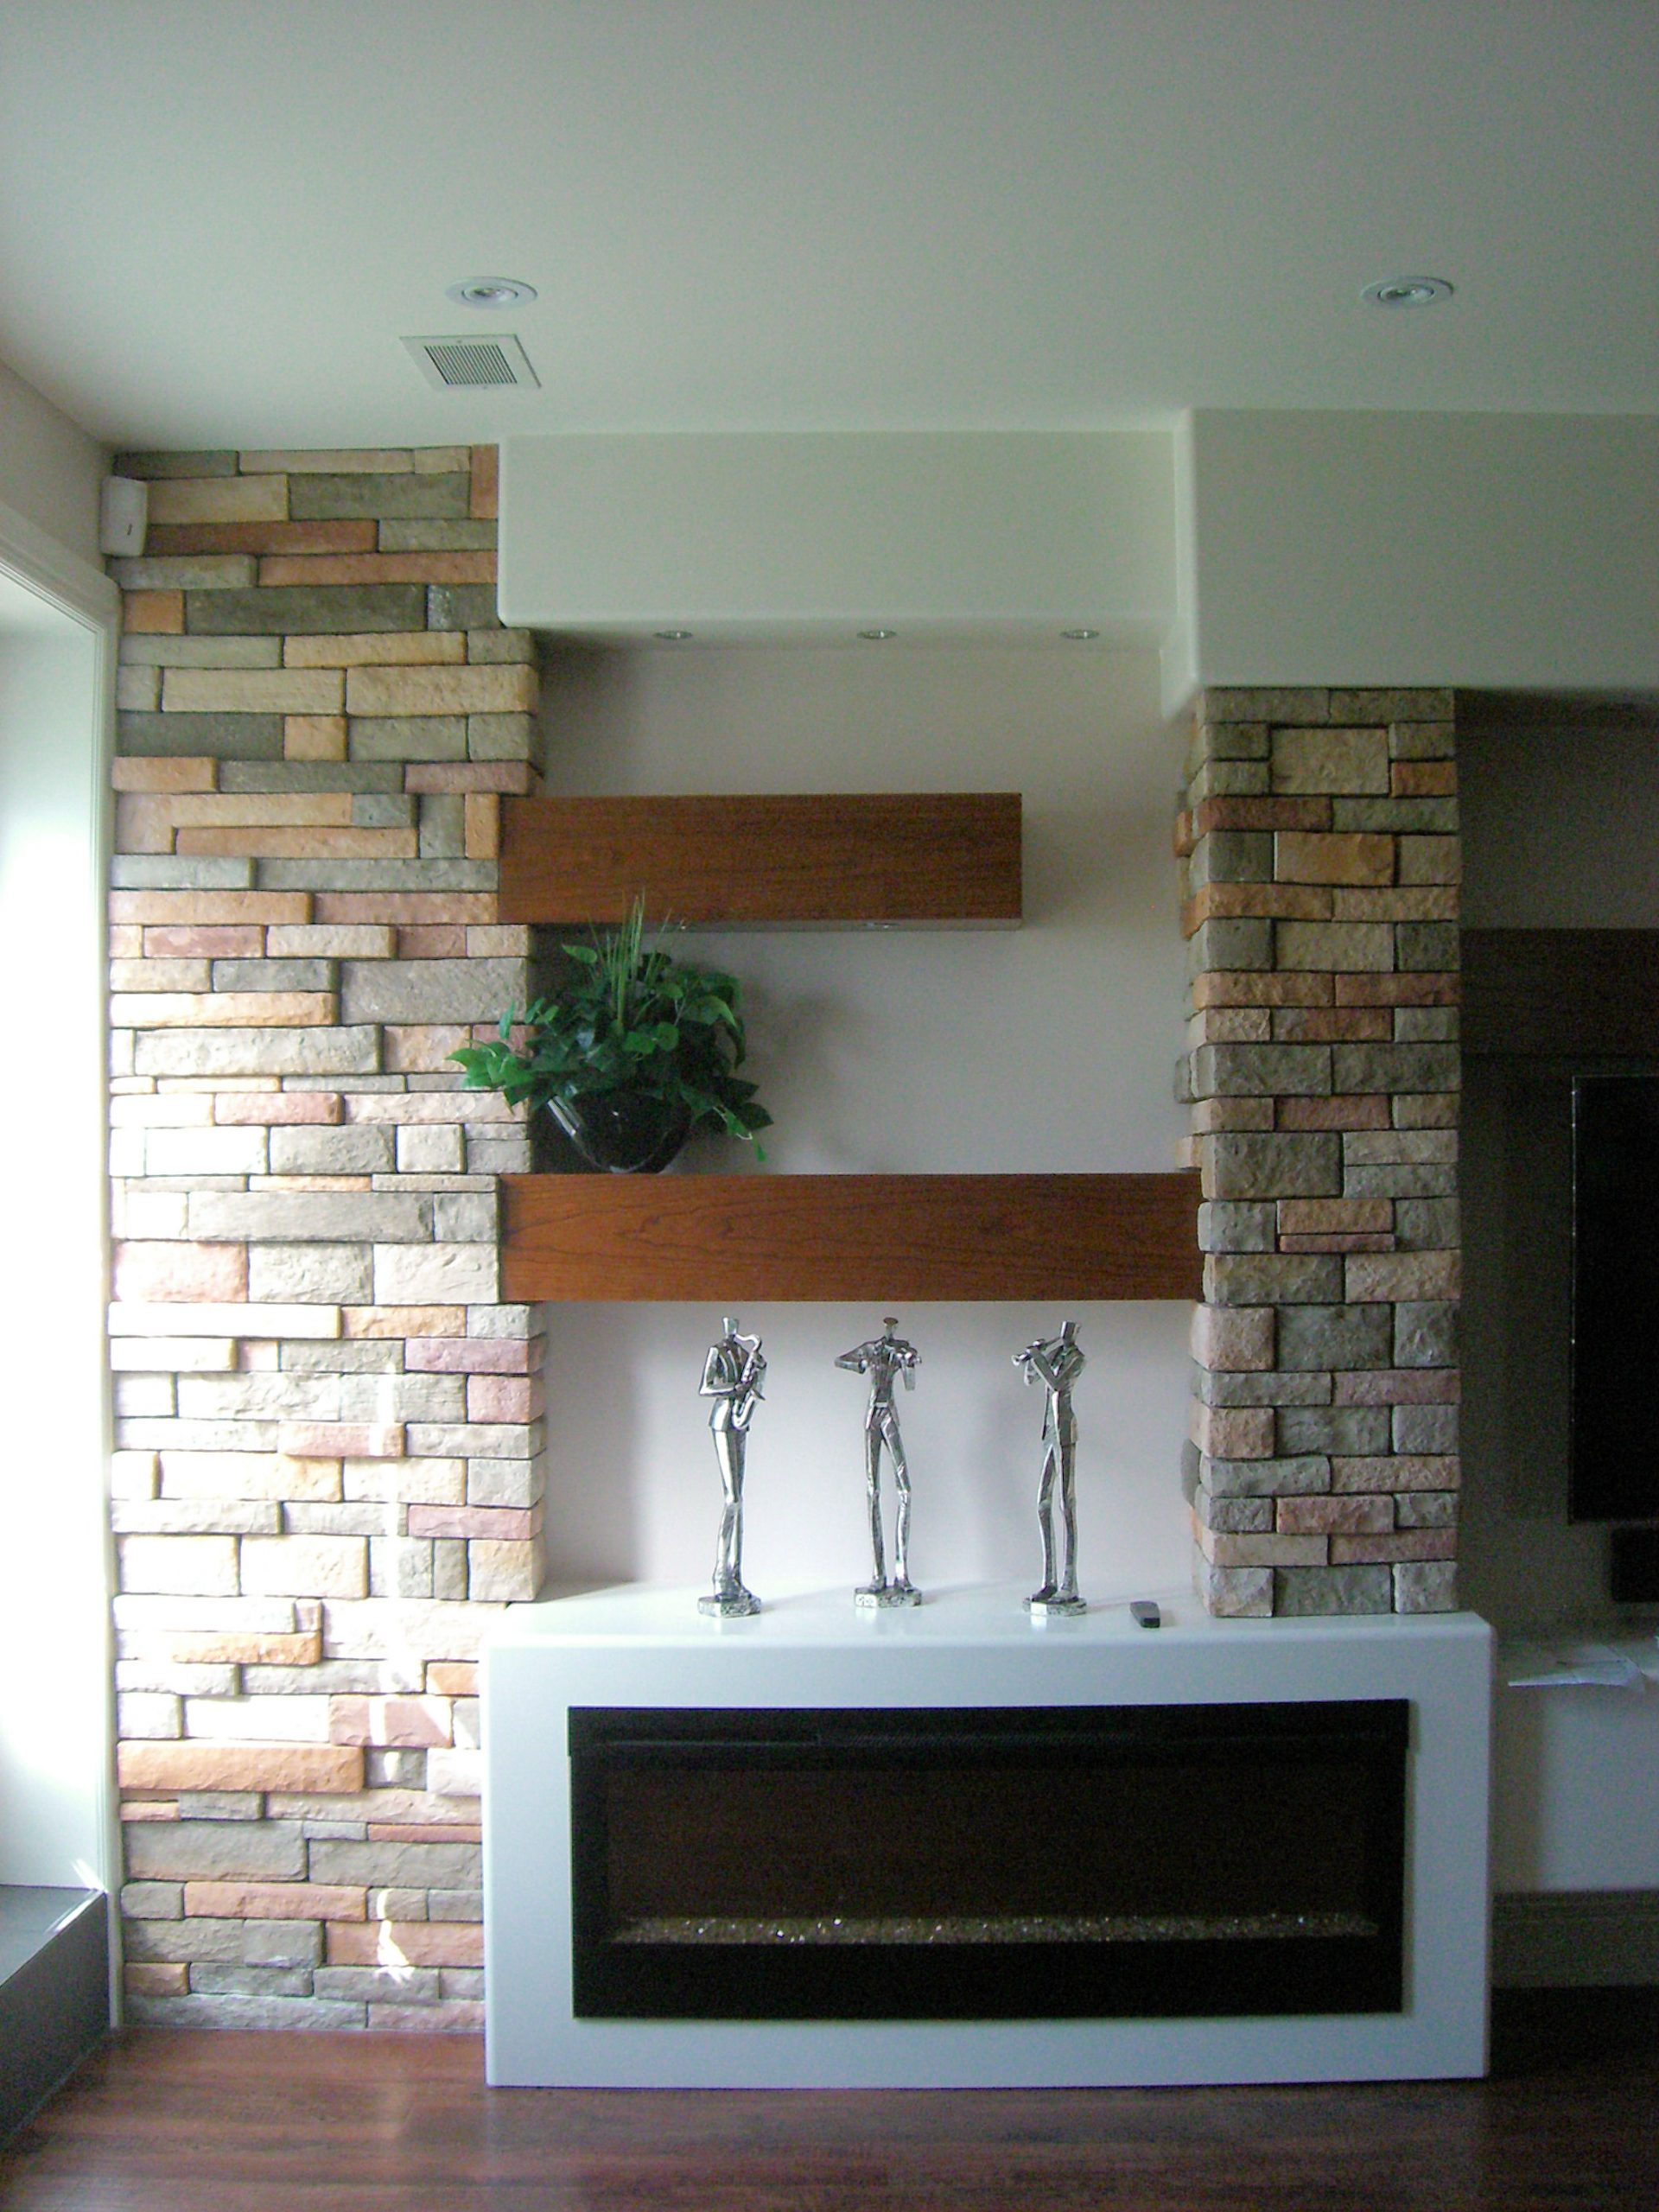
[470,363]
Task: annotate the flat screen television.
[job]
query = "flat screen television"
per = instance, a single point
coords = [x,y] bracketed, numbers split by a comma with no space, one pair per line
[1614,1464]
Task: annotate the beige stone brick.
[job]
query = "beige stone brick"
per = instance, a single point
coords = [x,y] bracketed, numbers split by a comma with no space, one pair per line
[301,844]
[1359,1514]
[440,691]
[315,737]
[484,503]
[287,1108]
[247,1648]
[179,774]
[379,1322]
[305,1567]
[1222,1550]
[317,941]
[184,1566]
[1403,1275]
[248,1474]
[207,1317]
[1430,860]
[1337,946]
[305,569]
[274,1901]
[482,840]
[252,691]
[149,612]
[137,689]
[199,909]
[498,1568]
[1427,903]
[171,1355]
[224,1009]
[237,809]
[164,1273]
[127,976]
[1396,1471]
[218,499]
[322,1439]
[1354,858]
[377,649]
[1345,760]
[434,1275]
[338,460]
[154,1977]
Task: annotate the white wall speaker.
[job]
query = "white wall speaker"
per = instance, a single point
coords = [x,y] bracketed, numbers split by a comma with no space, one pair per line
[123,516]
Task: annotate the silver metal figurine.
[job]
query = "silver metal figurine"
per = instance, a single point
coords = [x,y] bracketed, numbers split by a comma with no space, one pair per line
[732,1376]
[1057,1362]
[884,1358]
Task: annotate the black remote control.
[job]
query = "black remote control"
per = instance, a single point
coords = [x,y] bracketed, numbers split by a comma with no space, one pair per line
[1144,1613]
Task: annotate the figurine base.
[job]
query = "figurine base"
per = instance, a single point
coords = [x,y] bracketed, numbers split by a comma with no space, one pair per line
[878,1597]
[730,1605]
[1061,1608]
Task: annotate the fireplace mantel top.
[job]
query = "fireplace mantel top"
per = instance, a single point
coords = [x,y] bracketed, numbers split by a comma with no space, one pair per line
[977,1616]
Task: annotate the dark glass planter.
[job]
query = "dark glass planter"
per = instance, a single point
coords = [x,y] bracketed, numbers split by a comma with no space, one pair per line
[624,1132]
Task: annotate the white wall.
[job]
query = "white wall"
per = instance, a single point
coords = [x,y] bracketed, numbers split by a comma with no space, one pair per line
[961,534]
[54,1756]
[1355,548]
[1049,1047]
[50,470]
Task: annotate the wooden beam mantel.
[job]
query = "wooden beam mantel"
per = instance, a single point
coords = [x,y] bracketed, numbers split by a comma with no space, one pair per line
[744,1237]
[836,859]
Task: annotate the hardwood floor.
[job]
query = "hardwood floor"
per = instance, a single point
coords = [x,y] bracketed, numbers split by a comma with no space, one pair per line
[168,2121]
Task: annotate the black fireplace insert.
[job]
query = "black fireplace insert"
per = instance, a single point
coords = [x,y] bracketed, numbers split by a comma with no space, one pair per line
[1001,1863]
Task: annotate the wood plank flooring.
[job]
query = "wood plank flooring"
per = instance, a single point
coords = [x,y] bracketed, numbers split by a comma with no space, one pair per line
[171,2121]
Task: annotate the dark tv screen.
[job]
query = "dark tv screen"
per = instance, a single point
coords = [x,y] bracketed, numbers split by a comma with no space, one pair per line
[1615,1447]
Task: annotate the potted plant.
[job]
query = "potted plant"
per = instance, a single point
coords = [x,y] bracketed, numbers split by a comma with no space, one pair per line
[631,1057]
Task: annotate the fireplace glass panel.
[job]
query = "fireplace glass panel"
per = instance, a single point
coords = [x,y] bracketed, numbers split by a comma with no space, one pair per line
[1006,1863]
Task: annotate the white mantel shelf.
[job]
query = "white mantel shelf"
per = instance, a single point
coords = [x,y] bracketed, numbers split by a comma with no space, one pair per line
[648,1646]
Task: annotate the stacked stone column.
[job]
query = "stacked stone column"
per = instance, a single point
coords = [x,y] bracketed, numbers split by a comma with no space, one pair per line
[330,1463]
[1319,842]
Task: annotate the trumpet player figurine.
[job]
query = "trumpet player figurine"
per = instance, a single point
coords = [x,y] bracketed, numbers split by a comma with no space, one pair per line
[884,1359]
[1057,1363]
[732,1376]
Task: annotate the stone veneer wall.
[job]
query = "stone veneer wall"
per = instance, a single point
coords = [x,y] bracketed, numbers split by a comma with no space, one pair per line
[329,1465]
[1319,844]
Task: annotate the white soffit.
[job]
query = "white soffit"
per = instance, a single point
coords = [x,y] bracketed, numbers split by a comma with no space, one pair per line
[878,214]
[929,535]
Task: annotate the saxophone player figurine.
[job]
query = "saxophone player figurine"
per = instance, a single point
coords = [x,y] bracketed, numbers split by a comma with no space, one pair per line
[732,1376]
[1057,1363]
[884,1358]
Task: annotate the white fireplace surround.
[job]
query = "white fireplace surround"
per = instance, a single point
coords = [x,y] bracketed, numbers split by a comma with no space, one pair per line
[647,1647]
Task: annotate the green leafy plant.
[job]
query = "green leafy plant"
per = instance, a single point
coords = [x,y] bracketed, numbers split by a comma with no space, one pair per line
[630,1025]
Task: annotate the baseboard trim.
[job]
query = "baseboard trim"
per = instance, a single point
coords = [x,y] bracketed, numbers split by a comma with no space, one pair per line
[1575,1939]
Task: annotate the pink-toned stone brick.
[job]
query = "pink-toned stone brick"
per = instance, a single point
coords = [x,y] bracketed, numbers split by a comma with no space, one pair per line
[452,2016]
[464,776]
[273,1108]
[380,568]
[505,1524]
[221,941]
[428,941]
[1342,1112]
[453,1677]
[475,1355]
[389,1722]
[188,908]
[505,1397]
[1366,1514]
[402,906]
[156,1275]
[1396,1471]
[324,1901]
[178,774]
[1388,1551]
[382,1321]
[324,1768]
[300,844]
[152,614]
[326,1439]
[413,1943]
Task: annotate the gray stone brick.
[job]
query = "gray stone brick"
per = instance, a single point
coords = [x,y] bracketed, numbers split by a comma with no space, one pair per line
[503,737]
[220,737]
[466,1983]
[306,775]
[368,1357]
[1333,1428]
[1409,1180]
[1439,816]
[1227,1225]
[1222,1389]
[466,1217]
[1415,703]
[1339,1337]
[1220,741]
[152,1900]
[280,2013]
[1308,704]
[498,1155]
[1304,1475]
[394,1770]
[416,534]
[179,1942]
[399,1567]
[388,1985]
[506,1482]
[1420,1429]
[204,572]
[1273,1278]
[282,1943]
[308,609]
[1230,945]
[1234,1517]
[215,1851]
[212,1979]
[378,875]
[454,1904]
[1427,1509]
[360,1148]
[330,498]
[407,737]
[170,871]
[459,606]
[1231,856]
[1426,1224]
[1426,1586]
[1235,1592]
[1242,1165]
[312,1274]
[1425,1025]
[477,1439]
[406,1397]
[273,975]
[1261,1071]
[221,1804]
[144,650]
[151,465]
[1357,1068]
[256,1052]
[1425,1335]
[444,826]
[388,810]
[431,990]
[449,1568]
[309,1217]
[1428,740]
[399,1865]
[494,647]
[1298,1591]
[1427,947]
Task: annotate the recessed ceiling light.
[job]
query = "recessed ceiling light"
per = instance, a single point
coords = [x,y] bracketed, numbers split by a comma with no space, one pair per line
[1079,637]
[1407,292]
[490,292]
[672,637]
[874,634]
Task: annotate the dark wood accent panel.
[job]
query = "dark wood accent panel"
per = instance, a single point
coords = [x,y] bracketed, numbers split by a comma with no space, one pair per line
[1553,993]
[742,1237]
[915,857]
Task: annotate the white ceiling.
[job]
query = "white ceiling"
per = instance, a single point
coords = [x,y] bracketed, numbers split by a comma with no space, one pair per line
[218,219]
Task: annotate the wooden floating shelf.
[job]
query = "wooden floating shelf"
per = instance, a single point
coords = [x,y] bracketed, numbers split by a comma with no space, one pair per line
[1556,994]
[863,858]
[739,1238]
